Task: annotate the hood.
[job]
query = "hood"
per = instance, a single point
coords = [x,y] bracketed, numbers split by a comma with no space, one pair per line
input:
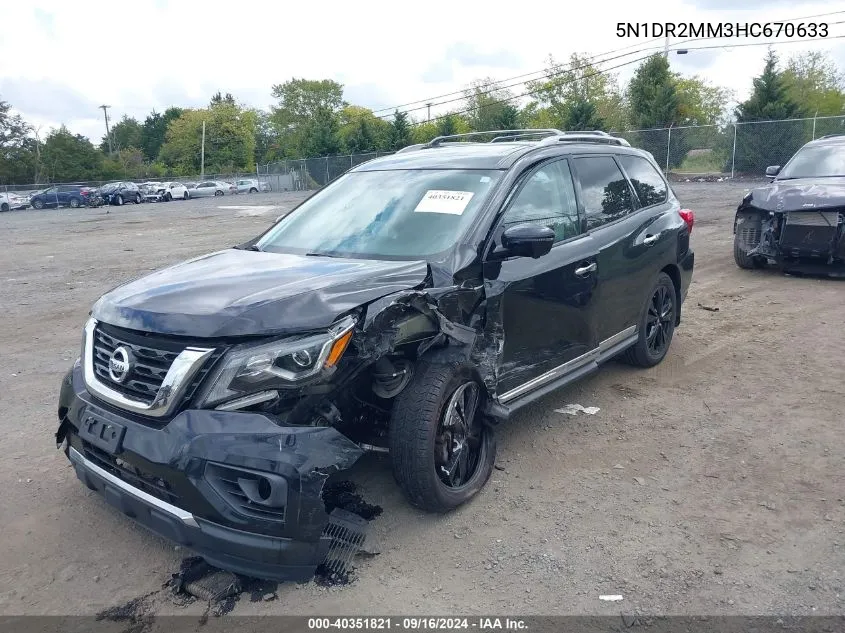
[802,194]
[241,293]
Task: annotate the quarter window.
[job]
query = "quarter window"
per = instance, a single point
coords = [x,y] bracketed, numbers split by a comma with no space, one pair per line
[604,189]
[547,198]
[647,181]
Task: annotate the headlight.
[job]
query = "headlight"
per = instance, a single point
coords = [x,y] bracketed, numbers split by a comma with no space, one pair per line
[249,369]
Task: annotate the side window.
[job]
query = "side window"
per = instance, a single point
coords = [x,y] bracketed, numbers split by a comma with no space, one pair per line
[605,191]
[647,181]
[547,198]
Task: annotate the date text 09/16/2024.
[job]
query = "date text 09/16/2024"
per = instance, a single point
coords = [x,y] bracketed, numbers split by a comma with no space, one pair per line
[721,29]
[417,623]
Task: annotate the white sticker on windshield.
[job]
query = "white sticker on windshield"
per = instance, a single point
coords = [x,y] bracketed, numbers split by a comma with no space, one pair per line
[442,201]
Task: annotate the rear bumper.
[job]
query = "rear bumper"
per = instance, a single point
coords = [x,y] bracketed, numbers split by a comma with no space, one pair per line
[181,479]
[686,266]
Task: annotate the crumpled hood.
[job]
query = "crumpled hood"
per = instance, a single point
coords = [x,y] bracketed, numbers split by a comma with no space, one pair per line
[240,293]
[803,194]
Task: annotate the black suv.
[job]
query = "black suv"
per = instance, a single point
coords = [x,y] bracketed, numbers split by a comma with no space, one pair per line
[797,220]
[407,307]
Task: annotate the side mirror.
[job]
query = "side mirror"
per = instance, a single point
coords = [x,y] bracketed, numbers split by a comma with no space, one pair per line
[528,240]
[772,170]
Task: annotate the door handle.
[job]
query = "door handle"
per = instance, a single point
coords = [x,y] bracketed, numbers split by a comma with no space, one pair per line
[586,270]
[650,240]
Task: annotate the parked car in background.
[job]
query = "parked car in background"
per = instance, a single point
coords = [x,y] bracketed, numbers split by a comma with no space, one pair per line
[252,186]
[152,191]
[212,188]
[61,196]
[797,220]
[12,201]
[175,190]
[120,192]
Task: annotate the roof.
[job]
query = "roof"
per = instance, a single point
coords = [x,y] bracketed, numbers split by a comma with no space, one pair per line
[829,139]
[500,154]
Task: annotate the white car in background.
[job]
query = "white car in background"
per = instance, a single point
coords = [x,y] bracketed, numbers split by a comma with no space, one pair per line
[252,186]
[175,191]
[212,188]
[10,201]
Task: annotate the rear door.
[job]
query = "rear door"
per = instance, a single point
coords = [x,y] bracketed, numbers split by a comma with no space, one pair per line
[631,240]
[545,305]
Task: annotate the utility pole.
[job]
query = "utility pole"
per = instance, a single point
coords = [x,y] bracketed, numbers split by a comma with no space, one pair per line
[104,108]
[202,154]
[429,111]
[666,48]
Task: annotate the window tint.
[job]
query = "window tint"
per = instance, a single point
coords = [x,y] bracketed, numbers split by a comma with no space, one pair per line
[547,198]
[648,183]
[607,196]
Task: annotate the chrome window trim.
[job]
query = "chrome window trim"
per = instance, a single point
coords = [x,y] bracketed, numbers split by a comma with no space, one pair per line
[177,379]
[183,515]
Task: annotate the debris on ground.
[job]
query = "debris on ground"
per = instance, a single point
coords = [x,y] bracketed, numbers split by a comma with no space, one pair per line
[341,494]
[328,577]
[708,308]
[611,598]
[136,614]
[574,409]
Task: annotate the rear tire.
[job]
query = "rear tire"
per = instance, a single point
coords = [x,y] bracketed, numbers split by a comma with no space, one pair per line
[4,208]
[218,193]
[656,327]
[441,460]
[74,203]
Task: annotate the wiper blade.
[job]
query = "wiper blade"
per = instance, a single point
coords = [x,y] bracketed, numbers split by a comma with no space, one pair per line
[320,255]
[252,247]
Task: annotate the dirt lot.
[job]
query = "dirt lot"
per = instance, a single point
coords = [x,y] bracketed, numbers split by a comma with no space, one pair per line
[711,484]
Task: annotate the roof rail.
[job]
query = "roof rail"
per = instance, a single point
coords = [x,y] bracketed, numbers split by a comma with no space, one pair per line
[587,136]
[834,135]
[435,142]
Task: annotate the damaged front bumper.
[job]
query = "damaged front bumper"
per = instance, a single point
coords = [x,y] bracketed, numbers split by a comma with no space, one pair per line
[235,487]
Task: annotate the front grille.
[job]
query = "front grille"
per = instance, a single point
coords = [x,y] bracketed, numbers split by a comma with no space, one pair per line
[129,473]
[148,371]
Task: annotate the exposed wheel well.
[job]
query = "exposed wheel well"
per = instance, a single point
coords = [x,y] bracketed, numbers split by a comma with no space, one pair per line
[675,276]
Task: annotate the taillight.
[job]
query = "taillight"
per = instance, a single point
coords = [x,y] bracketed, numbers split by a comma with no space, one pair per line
[688,216]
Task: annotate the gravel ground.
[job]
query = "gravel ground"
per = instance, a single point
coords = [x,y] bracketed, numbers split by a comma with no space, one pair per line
[710,484]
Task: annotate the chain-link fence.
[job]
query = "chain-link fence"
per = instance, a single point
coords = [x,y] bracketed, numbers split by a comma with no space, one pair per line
[730,150]
[733,149]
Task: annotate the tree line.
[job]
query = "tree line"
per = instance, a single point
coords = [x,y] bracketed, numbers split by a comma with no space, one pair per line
[311,118]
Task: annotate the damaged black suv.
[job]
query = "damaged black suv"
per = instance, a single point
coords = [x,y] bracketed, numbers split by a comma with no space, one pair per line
[407,307]
[797,221]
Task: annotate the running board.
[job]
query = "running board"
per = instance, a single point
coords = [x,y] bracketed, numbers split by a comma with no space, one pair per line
[608,349]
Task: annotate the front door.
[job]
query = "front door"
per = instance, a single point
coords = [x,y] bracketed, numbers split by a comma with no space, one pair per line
[545,305]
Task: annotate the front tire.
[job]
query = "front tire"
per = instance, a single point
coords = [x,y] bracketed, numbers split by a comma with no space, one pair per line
[442,452]
[4,208]
[253,190]
[185,196]
[657,325]
[742,258]
[38,204]
[168,197]
[119,200]
[137,198]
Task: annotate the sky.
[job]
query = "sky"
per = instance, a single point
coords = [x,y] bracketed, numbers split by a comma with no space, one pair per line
[60,60]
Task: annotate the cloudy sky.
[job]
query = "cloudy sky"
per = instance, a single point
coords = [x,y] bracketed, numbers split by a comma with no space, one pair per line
[60,60]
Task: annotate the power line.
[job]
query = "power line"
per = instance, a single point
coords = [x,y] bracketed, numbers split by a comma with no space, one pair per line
[497,85]
[634,61]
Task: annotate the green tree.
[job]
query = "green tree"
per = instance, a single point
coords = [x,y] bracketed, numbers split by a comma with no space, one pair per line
[699,102]
[574,82]
[267,146]
[18,150]
[582,115]
[400,131]
[653,95]
[219,99]
[70,157]
[229,140]
[814,82]
[299,101]
[320,134]
[425,131]
[487,105]
[125,133]
[759,146]
[361,131]
[154,131]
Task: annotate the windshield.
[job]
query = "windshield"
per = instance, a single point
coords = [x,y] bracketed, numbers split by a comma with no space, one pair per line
[110,186]
[816,162]
[405,214]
